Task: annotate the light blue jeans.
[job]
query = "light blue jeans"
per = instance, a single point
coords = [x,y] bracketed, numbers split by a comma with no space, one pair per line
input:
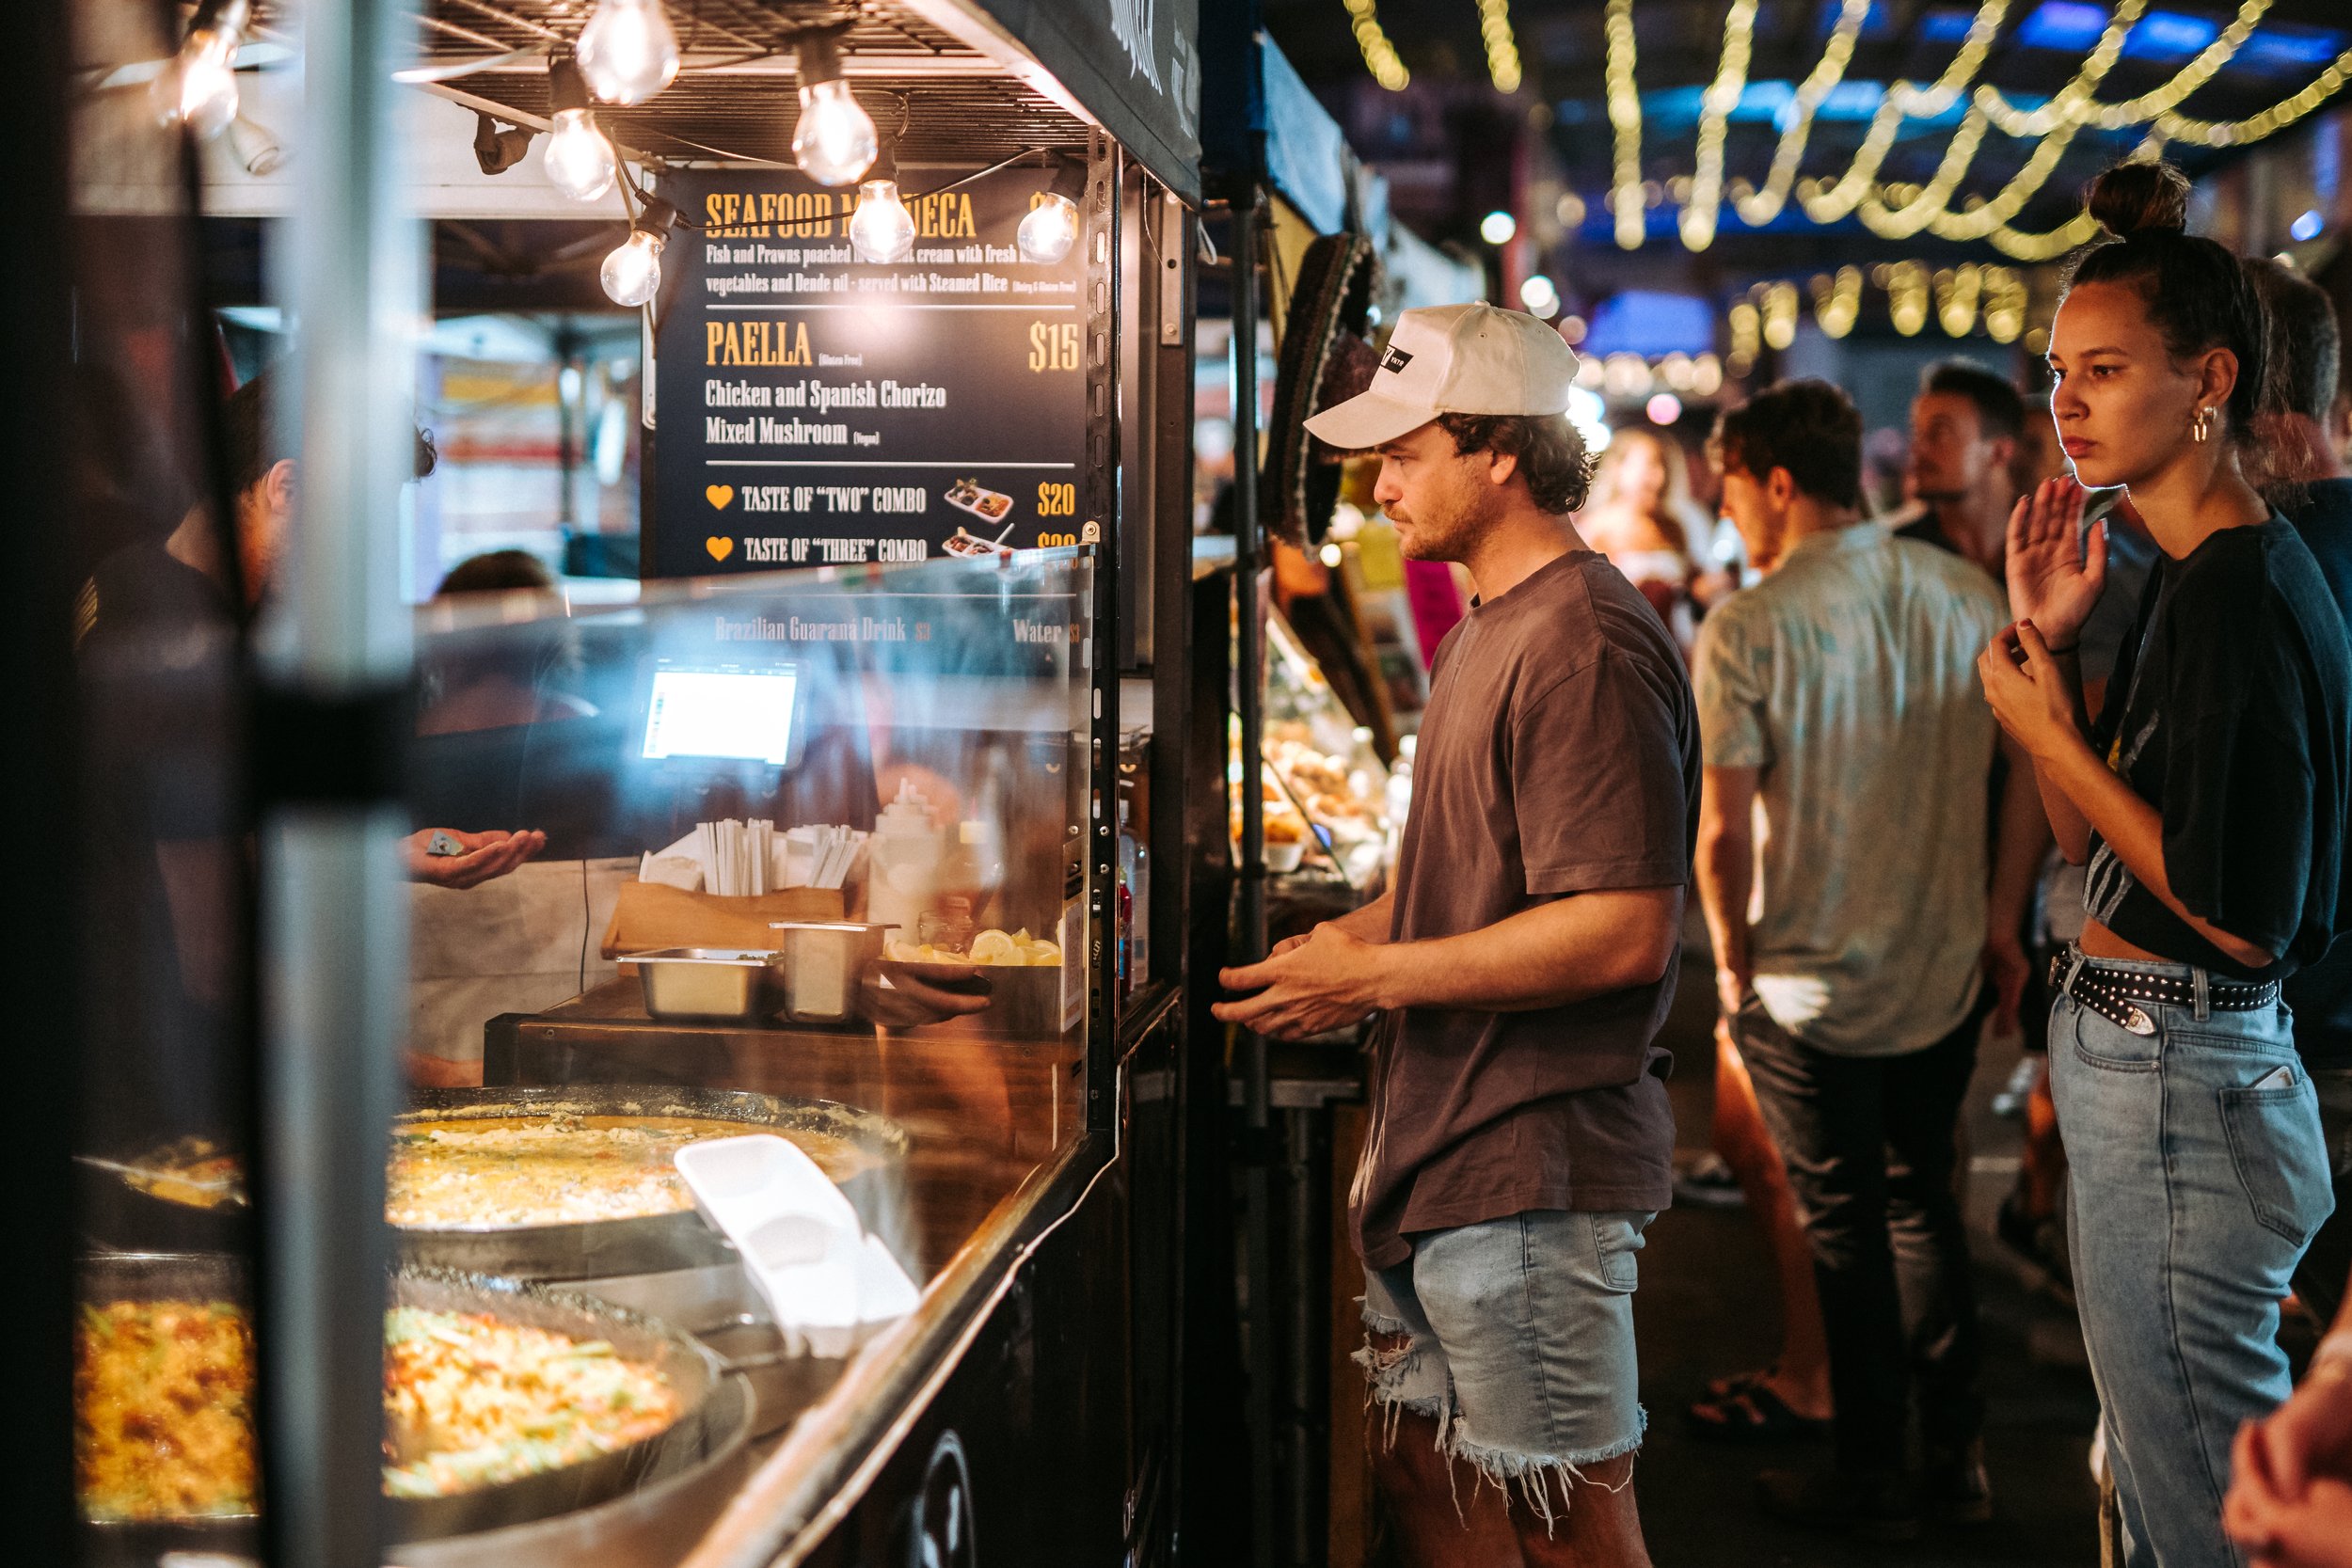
[1519,1341]
[2198,1175]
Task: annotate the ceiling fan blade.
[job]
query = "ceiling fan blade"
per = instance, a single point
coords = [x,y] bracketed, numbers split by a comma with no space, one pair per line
[451,70]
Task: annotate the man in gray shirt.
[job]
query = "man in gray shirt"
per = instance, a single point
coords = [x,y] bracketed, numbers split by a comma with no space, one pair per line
[1838,703]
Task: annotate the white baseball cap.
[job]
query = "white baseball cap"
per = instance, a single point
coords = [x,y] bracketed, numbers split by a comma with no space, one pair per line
[1454,359]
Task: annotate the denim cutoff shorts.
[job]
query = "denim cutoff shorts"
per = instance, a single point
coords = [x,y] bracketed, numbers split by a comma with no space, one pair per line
[1519,1339]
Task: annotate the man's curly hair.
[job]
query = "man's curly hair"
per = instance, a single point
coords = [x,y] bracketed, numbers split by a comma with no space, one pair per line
[1552,459]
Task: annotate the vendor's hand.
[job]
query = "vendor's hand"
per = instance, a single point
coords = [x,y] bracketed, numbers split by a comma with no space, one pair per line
[2031,699]
[488,856]
[2006,970]
[2309,1528]
[909,1002]
[1310,986]
[2055,578]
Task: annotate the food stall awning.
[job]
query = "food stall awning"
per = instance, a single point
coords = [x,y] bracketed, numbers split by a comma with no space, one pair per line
[1131,65]
[1263,124]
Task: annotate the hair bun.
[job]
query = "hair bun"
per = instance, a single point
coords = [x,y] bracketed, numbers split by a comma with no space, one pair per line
[2140,198]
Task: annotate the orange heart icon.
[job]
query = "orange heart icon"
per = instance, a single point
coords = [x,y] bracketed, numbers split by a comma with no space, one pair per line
[719,494]
[720,548]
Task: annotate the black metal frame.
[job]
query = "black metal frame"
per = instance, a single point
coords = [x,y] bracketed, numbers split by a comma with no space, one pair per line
[40,793]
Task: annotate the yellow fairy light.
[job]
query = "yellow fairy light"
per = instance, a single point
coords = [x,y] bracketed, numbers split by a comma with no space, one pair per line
[2064,104]
[2269,122]
[1916,208]
[1381,56]
[1722,96]
[2005,298]
[1828,202]
[1761,207]
[1747,336]
[1958,292]
[1625,116]
[1503,51]
[1706,376]
[1907,296]
[1780,314]
[1837,301]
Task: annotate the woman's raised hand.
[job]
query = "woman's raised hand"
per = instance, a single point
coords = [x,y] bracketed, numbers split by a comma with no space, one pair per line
[2053,581]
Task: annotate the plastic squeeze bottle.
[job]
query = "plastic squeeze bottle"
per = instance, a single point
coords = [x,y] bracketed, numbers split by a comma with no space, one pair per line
[904,858]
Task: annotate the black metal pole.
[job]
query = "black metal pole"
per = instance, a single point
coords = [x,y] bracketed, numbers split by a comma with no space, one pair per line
[40,790]
[1249,938]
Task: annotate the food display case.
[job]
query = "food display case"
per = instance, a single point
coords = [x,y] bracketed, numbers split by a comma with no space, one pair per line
[701,1076]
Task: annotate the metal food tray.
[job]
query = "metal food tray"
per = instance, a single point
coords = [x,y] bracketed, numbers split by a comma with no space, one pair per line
[714,1420]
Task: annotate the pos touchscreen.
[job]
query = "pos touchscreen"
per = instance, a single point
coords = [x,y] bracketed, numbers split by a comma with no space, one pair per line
[717,712]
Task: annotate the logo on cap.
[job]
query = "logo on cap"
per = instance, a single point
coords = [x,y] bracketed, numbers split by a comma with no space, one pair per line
[1395,360]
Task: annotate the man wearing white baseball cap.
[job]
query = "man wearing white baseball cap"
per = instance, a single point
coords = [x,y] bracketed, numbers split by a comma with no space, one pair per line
[1523,962]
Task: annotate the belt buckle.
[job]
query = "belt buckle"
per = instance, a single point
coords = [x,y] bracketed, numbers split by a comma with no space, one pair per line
[2137,1022]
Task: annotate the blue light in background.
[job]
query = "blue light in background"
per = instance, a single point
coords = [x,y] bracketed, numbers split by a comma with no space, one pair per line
[2308,226]
[2281,48]
[1944,26]
[2063,25]
[2168,36]
[1650,324]
[1851,101]
[1876,24]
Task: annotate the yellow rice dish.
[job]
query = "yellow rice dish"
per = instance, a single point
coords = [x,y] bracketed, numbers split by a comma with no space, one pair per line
[485,1173]
[163,1422]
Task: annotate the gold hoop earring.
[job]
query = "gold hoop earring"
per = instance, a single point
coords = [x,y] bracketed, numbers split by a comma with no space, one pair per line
[2201,428]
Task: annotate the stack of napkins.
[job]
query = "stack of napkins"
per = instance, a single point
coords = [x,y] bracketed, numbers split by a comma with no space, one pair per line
[747,859]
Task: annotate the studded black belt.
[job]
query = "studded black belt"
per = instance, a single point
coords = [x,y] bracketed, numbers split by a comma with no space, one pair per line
[2123,996]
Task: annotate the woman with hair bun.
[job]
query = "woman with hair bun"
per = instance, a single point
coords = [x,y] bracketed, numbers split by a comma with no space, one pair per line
[2209,797]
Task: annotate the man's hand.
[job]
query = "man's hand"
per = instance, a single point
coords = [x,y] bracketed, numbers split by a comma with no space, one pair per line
[1308,985]
[2310,1434]
[488,856]
[2054,581]
[1731,991]
[2029,696]
[2307,1526]
[2006,970]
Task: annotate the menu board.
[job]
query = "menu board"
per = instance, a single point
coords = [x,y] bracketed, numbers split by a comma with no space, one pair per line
[812,409]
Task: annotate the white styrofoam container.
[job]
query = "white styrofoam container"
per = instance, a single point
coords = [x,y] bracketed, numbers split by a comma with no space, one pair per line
[799,1239]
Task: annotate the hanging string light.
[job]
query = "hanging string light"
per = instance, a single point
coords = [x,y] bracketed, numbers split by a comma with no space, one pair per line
[1906,285]
[579,161]
[1830,202]
[881,230]
[1762,207]
[1896,211]
[1958,292]
[1723,95]
[1625,116]
[1381,56]
[1780,314]
[1503,51]
[198,87]
[2269,122]
[2005,300]
[1747,337]
[1051,228]
[1837,301]
[834,142]
[627,51]
[632,274]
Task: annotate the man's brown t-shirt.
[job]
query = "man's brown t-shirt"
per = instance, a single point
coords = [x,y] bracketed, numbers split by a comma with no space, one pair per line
[1560,756]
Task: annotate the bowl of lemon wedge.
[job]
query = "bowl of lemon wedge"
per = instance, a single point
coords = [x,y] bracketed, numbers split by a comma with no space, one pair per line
[1020,973]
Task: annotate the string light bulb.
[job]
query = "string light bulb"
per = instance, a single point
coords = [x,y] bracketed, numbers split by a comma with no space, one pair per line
[632,274]
[579,161]
[199,89]
[629,51]
[1051,228]
[881,230]
[834,141]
